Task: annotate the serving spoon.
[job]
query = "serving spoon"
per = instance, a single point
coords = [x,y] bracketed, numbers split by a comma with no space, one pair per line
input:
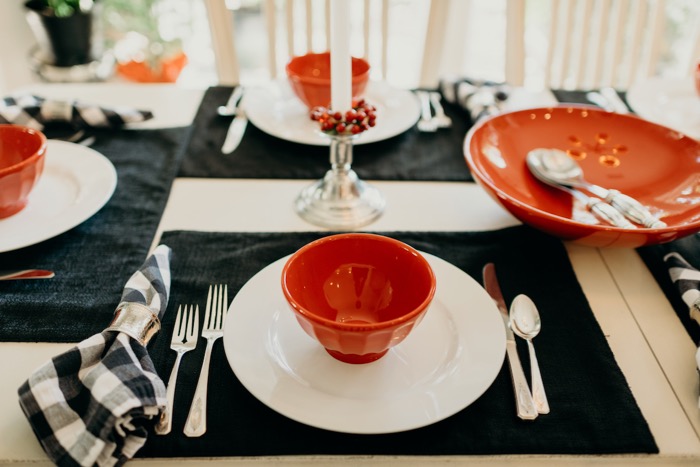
[525,322]
[598,207]
[556,167]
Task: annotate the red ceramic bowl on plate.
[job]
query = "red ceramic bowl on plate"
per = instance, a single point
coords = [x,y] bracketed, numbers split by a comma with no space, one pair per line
[658,166]
[358,294]
[310,78]
[22,152]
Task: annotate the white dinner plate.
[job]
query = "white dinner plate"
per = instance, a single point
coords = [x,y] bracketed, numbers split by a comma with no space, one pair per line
[77,181]
[276,110]
[448,361]
[671,102]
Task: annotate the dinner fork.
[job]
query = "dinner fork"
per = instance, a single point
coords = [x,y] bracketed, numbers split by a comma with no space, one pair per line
[184,339]
[217,308]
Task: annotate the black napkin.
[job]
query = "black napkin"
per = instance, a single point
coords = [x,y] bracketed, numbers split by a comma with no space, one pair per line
[39,112]
[480,98]
[92,404]
[409,156]
[94,259]
[655,257]
[593,411]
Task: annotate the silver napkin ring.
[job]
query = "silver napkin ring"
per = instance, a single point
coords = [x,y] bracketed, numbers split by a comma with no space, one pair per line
[135,320]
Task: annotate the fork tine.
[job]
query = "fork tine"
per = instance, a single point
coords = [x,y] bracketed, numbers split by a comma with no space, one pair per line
[225,310]
[176,332]
[207,311]
[195,327]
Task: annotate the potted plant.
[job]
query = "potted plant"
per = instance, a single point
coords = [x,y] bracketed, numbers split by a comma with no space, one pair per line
[63,30]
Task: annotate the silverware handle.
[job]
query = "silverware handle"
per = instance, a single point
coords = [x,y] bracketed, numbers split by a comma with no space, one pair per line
[539,397]
[608,214]
[633,209]
[425,112]
[164,424]
[523,397]
[196,424]
[437,105]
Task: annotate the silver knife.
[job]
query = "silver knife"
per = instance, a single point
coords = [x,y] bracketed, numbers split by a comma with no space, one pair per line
[26,274]
[523,396]
[235,131]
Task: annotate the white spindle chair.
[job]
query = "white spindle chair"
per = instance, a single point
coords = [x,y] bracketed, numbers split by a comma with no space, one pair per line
[592,43]
[284,37]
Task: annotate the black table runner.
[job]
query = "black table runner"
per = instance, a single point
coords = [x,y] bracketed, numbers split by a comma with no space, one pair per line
[411,155]
[593,411]
[94,260]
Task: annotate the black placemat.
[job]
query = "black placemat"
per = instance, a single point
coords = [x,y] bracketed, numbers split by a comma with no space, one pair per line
[653,257]
[411,155]
[93,261]
[579,96]
[593,411]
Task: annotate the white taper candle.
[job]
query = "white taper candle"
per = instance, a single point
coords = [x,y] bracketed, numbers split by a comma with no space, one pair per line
[341,62]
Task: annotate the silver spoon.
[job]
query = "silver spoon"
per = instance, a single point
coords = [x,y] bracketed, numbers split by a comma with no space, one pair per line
[231,107]
[598,207]
[555,166]
[525,322]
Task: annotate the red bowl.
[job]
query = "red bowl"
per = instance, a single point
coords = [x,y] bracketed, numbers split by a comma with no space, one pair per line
[310,78]
[22,152]
[658,166]
[358,294]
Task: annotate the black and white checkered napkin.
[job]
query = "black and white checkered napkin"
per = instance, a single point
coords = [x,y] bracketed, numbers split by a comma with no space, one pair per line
[92,404]
[37,112]
[687,279]
[478,97]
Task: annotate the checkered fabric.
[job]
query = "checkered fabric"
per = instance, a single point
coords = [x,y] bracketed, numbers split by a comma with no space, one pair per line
[92,404]
[687,279]
[479,98]
[37,112]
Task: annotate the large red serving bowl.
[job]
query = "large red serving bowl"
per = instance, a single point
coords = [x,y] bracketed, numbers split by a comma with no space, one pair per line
[310,78]
[358,294]
[658,166]
[22,152]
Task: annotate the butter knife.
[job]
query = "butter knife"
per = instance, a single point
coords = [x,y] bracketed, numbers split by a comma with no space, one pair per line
[235,130]
[523,397]
[26,274]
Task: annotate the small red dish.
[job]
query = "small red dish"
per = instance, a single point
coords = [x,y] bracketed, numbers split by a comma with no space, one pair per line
[22,151]
[658,166]
[358,294]
[310,78]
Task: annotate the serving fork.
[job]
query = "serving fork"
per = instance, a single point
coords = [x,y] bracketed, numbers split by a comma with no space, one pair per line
[216,310]
[184,339]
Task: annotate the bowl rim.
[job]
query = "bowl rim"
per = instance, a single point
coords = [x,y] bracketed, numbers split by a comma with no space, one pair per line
[29,160]
[358,327]
[323,81]
[483,178]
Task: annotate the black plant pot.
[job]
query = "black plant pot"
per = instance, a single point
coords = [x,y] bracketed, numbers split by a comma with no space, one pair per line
[63,41]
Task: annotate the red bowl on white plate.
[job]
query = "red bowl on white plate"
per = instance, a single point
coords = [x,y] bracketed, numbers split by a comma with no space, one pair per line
[22,152]
[358,294]
[658,166]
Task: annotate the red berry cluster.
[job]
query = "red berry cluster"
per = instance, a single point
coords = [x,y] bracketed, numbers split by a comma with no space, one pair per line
[360,118]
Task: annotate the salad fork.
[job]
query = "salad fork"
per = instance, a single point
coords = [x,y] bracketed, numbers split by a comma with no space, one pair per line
[184,339]
[217,308]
